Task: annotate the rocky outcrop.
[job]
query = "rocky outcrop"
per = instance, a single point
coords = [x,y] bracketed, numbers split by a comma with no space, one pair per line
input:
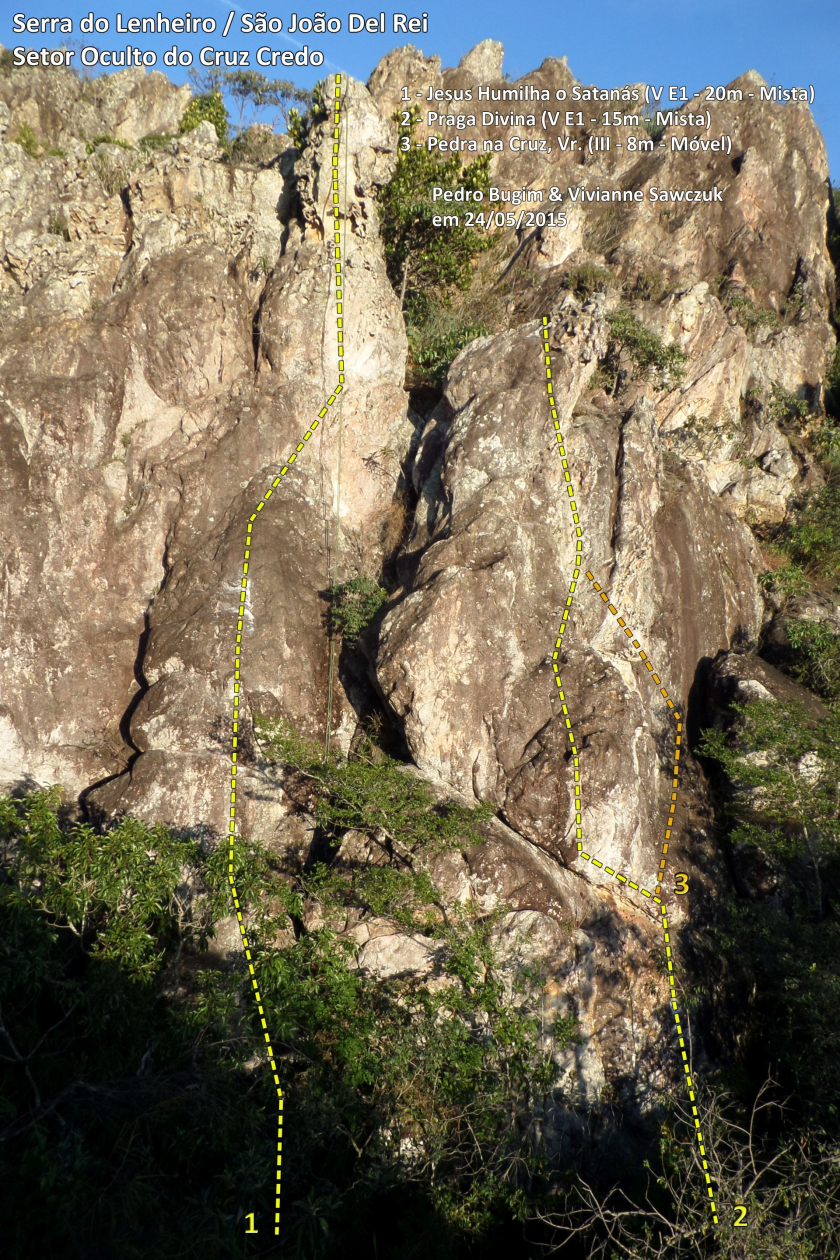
[59,107]
[766,237]
[127,404]
[167,336]
[464,656]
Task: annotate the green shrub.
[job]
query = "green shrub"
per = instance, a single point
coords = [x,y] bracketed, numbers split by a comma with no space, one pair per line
[588,279]
[649,286]
[744,310]
[105,139]
[816,661]
[832,384]
[786,407]
[421,257]
[813,540]
[121,1103]
[209,108]
[782,802]
[136,1101]
[154,141]
[27,141]
[652,128]
[57,227]
[255,148]
[787,579]
[445,1069]
[648,352]
[376,796]
[434,344]
[353,605]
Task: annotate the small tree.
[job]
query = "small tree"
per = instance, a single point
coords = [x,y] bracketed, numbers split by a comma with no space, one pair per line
[208,108]
[415,249]
[249,88]
[354,604]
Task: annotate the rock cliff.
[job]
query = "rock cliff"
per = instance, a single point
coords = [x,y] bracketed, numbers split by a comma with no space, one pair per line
[166,338]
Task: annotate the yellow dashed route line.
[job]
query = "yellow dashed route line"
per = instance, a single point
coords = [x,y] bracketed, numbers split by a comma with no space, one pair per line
[243,590]
[608,870]
[676,716]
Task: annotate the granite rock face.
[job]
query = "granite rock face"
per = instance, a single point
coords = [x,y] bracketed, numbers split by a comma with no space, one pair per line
[156,370]
[168,334]
[61,108]
[465,655]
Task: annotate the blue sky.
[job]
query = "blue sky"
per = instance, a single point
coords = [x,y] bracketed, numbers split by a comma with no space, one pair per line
[694,42]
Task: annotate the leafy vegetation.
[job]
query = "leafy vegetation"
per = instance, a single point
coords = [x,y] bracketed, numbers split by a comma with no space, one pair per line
[105,139]
[812,540]
[832,379]
[786,579]
[420,257]
[653,129]
[138,1110]
[782,815]
[255,92]
[588,279]
[154,141]
[648,353]
[120,1105]
[26,139]
[353,605]
[649,286]
[207,108]
[300,124]
[786,407]
[436,342]
[429,266]
[816,662]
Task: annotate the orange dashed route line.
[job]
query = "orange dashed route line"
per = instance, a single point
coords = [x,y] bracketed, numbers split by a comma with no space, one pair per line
[243,591]
[608,870]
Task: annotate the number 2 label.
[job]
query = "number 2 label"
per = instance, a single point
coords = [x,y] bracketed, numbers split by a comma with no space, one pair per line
[739,1222]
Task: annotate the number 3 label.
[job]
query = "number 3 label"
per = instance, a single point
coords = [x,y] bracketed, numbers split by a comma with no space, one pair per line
[682,879]
[739,1222]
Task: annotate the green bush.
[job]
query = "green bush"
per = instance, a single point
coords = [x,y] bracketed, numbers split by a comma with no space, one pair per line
[208,108]
[786,407]
[125,1111]
[648,285]
[787,579]
[376,796]
[816,661]
[443,1070]
[27,141]
[782,803]
[588,279]
[137,1107]
[105,139]
[434,343]
[743,309]
[652,128]
[154,141]
[353,605]
[420,256]
[813,540]
[299,125]
[648,352]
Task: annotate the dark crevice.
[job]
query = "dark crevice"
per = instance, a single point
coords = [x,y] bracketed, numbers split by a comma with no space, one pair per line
[255,327]
[143,685]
